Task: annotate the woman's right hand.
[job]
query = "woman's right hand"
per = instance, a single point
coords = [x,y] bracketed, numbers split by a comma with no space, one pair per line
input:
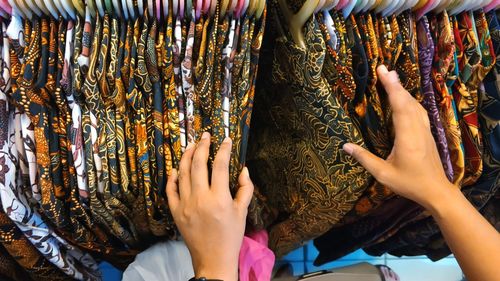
[413,169]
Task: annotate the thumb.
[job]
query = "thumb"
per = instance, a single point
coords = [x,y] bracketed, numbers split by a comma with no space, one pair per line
[245,191]
[373,164]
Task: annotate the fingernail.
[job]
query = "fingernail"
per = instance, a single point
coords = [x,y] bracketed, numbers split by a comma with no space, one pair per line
[205,135]
[383,69]
[245,172]
[348,148]
[227,140]
[190,145]
[173,173]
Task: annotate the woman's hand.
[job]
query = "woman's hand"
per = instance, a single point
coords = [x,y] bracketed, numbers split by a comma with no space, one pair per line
[211,222]
[413,169]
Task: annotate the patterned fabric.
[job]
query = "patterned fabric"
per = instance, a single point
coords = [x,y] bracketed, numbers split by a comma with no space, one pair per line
[97,112]
[58,251]
[28,257]
[306,179]
[444,62]
[188,82]
[423,237]
[9,269]
[465,95]
[489,103]
[426,56]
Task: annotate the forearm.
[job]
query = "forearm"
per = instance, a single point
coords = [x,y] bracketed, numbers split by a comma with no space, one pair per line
[474,242]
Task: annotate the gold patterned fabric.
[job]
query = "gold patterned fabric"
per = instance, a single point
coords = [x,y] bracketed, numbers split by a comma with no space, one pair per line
[294,155]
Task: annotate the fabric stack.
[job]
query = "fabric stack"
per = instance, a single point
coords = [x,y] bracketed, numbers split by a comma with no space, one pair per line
[326,94]
[95,112]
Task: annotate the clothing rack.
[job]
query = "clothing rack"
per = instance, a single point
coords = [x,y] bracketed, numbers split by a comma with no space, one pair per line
[101,98]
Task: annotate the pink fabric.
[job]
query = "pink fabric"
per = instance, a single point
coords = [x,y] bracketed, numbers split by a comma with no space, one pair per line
[422,11]
[342,4]
[256,259]
[492,5]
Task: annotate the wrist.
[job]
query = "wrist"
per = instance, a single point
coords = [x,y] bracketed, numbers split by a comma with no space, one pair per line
[219,271]
[438,206]
[224,275]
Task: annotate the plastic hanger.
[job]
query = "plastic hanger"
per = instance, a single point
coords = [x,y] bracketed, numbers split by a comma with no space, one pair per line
[466,5]
[116,8]
[6,7]
[213,7]
[189,8]
[260,8]
[395,4]
[223,7]
[69,8]
[131,9]
[320,5]
[239,8]
[341,4]
[493,5]
[124,9]
[443,6]
[296,21]
[254,4]
[348,9]
[100,7]
[330,4]
[360,5]
[481,4]
[151,8]
[43,7]
[401,6]
[451,5]
[436,3]
[407,5]
[29,10]
[15,9]
[245,7]
[79,7]
[60,9]
[455,7]
[419,5]
[383,6]
[232,7]
[33,7]
[175,7]
[108,5]
[140,7]
[181,8]
[205,8]
[24,9]
[371,5]
[92,8]
[426,8]
[198,7]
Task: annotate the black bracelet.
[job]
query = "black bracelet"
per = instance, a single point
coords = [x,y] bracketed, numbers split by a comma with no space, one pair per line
[203,279]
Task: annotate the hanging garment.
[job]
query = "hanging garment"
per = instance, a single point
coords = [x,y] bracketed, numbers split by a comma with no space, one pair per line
[99,110]
[9,269]
[294,154]
[444,61]
[415,239]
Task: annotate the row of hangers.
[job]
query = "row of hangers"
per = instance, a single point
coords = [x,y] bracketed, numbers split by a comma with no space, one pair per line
[382,7]
[129,9]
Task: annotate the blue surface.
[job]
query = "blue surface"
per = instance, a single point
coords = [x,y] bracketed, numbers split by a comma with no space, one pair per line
[302,259]
[109,272]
